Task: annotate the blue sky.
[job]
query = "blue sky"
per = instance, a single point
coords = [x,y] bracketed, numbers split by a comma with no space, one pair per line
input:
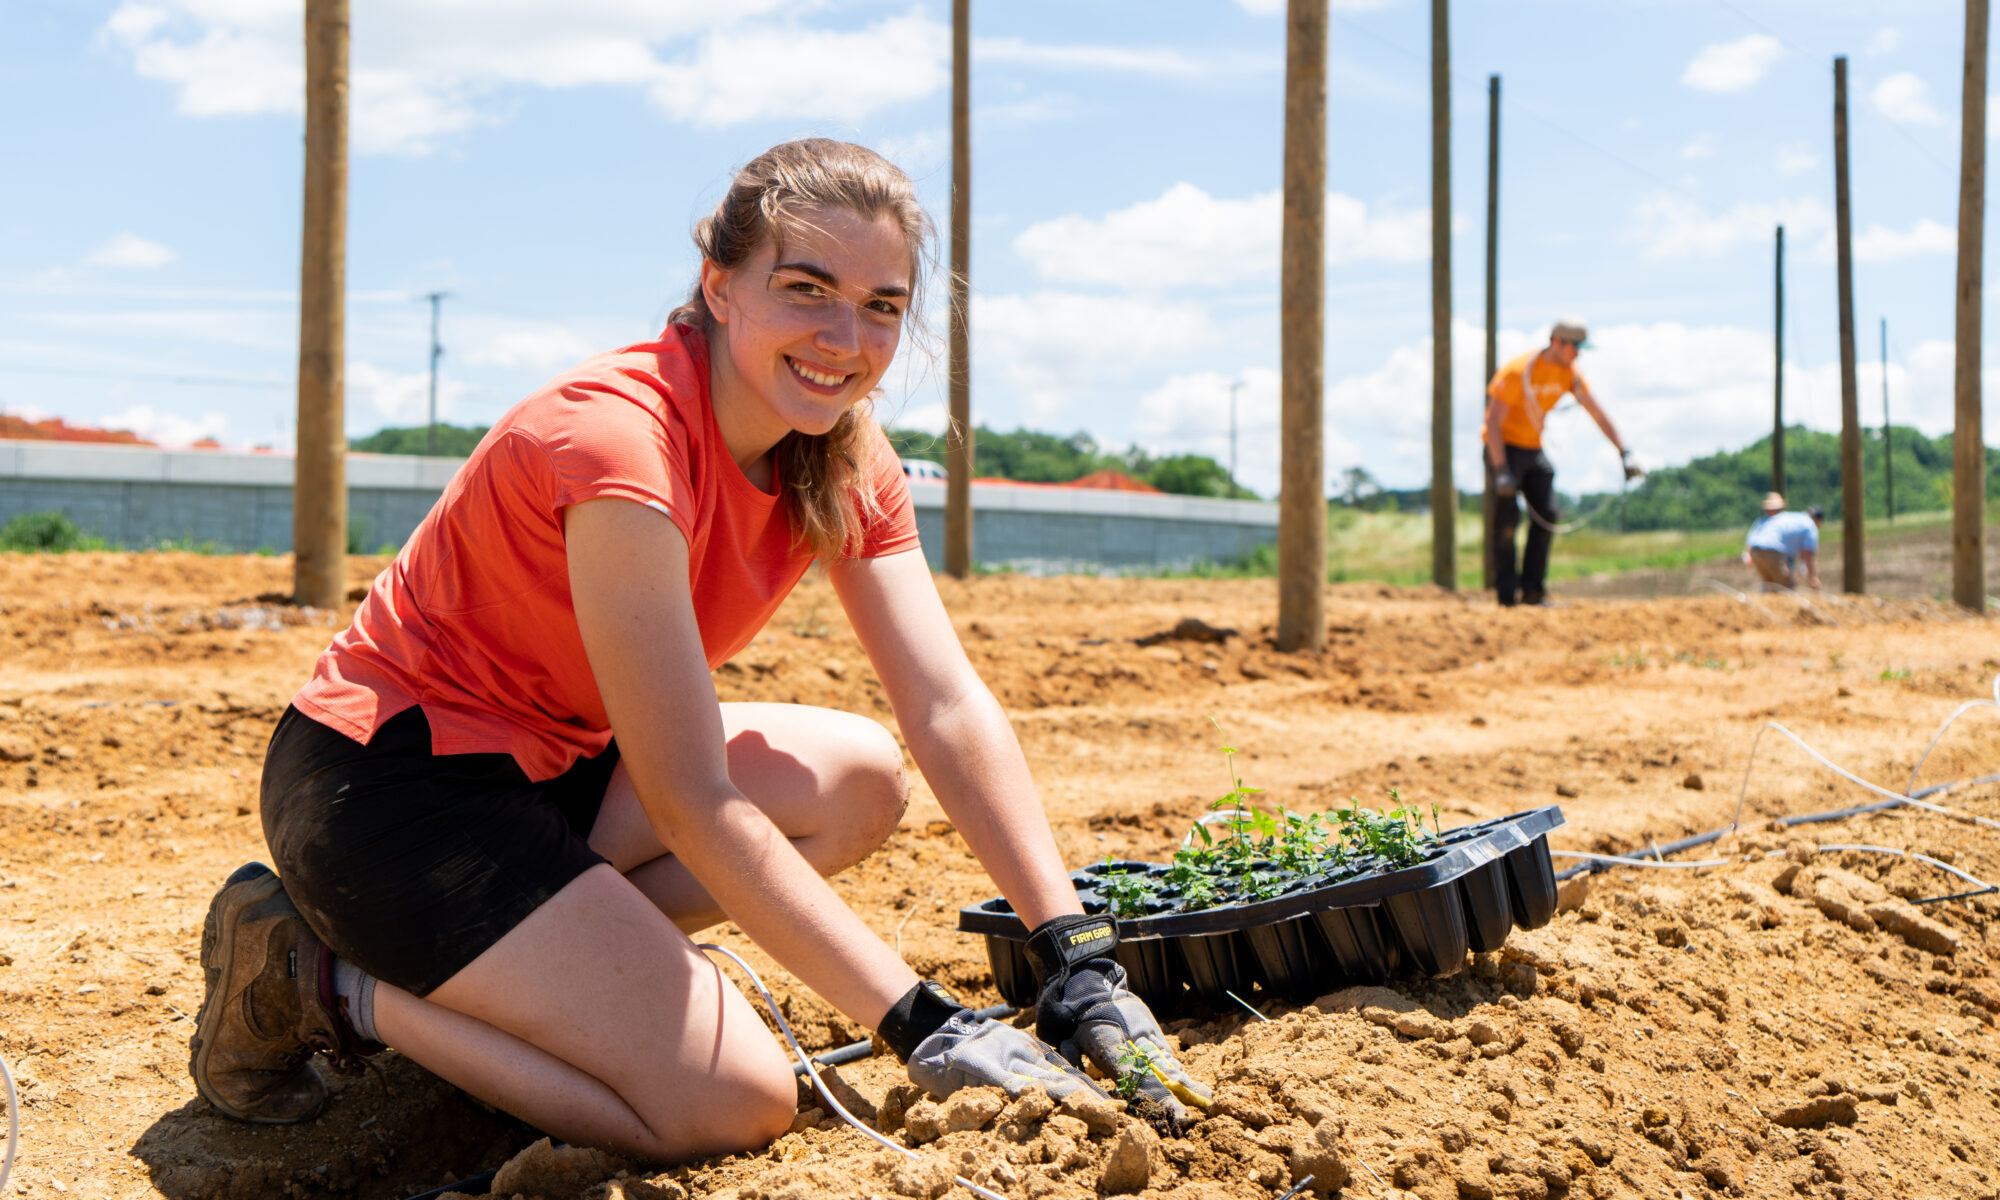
[544,163]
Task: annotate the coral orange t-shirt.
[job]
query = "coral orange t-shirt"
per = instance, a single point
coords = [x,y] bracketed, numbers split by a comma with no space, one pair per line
[474,621]
[1520,420]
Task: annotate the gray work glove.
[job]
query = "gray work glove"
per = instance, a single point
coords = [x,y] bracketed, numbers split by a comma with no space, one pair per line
[969,1050]
[1504,484]
[1085,1011]
[1632,469]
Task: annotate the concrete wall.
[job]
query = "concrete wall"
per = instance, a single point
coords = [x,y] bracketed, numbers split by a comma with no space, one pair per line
[138,496]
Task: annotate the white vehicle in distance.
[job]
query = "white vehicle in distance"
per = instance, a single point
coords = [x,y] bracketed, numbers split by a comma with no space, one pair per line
[922,468]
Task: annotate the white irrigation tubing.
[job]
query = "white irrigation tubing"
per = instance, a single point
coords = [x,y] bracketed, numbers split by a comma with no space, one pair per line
[1911,787]
[13,1124]
[785,1026]
[1974,880]
[1642,862]
[1851,777]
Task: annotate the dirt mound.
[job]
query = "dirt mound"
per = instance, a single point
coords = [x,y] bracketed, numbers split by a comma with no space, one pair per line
[1792,1022]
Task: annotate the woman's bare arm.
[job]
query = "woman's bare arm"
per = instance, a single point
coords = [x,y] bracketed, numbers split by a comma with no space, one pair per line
[955,729]
[628,574]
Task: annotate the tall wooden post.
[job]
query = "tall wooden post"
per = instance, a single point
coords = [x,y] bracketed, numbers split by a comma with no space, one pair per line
[1778,372]
[1888,434]
[1302,471]
[1444,491]
[1489,502]
[319,484]
[1968,476]
[1853,573]
[958,448]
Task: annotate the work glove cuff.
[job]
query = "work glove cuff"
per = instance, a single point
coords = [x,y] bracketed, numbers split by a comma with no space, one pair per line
[1058,944]
[921,1012]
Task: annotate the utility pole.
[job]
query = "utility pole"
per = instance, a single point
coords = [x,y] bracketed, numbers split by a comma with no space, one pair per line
[1854,575]
[1968,475]
[1235,386]
[431,433]
[1444,492]
[1301,325]
[958,448]
[1888,437]
[319,482]
[1489,503]
[1778,373]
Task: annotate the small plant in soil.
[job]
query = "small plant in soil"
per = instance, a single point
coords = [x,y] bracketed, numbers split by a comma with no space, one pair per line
[1135,1063]
[1127,894]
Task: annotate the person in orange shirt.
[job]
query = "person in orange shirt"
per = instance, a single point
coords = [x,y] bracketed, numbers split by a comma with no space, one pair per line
[508,793]
[1520,396]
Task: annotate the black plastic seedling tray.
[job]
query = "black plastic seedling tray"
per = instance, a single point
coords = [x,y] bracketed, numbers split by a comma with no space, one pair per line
[1362,922]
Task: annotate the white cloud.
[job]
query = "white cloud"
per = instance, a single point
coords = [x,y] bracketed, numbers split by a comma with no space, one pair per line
[1794,158]
[166,428]
[1699,147]
[765,73]
[1186,236]
[1137,60]
[1672,227]
[1881,244]
[1905,99]
[1052,348]
[1276,8]
[1733,66]
[424,69]
[546,348]
[396,397]
[1885,41]
[1189,414]
[131,251]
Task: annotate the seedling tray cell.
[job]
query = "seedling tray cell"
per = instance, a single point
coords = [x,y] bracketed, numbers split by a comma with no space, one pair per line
[1361,949]
[1357,922]
[1431,924]
[1489,912]
[1531,884]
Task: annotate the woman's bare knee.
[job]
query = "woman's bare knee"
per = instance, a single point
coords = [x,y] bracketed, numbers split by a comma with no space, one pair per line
[746,1111]
[874,796]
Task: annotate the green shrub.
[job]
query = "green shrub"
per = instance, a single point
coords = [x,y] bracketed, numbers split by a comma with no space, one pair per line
[48,533]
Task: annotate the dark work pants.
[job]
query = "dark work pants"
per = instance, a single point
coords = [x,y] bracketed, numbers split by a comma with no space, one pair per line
[1535,480]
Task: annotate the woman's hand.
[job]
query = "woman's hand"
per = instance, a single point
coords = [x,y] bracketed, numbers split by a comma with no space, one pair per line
[1085,1010]
[974,1051]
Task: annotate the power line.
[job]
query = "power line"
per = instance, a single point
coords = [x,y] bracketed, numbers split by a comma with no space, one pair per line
[1472,80]
[1794,47]
[150,376]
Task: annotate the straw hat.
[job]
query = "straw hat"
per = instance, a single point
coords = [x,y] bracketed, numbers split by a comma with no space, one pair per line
[1774,502]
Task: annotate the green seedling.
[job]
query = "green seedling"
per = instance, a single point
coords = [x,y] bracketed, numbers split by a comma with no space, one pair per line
[1895,673]
[1127,894]
[1135,1066]
[1397,835]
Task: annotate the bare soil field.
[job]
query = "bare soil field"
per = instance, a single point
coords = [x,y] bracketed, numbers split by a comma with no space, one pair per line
[1784,1024]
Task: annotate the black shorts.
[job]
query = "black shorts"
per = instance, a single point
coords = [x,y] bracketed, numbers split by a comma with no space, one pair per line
[411,864]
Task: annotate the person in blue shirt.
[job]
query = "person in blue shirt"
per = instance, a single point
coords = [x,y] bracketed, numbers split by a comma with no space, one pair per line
[1780,542]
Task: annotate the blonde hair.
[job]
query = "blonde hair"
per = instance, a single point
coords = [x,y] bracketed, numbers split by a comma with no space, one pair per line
[823,475]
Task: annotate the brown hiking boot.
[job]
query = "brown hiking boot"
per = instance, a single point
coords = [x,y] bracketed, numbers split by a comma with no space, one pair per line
[268,1006]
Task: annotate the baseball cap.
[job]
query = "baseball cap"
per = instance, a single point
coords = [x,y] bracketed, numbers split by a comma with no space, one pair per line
[1774,502]
[1571,329]
[1815,511]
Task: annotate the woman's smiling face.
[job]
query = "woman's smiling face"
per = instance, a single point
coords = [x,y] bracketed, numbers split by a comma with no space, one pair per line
[806,325]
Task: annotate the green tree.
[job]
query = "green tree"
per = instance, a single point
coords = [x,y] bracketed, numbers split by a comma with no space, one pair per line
[453,441]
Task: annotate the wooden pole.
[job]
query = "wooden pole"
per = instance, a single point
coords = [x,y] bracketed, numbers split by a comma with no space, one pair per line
[1489,502]
[1778,373]
[1968,477]
[1854,575]
[1302,471]
[958,447]
[319,486]
[1888,436]
[1444,491]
